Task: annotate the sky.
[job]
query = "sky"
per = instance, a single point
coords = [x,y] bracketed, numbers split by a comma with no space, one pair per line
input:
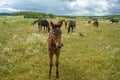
[62,7]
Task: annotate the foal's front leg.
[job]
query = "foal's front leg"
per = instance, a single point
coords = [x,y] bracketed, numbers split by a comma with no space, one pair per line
[51,63]
[57,64]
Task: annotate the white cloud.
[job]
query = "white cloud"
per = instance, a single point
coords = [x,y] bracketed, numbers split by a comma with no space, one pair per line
[5,3]
[8,10]
[63,7]
[87,7]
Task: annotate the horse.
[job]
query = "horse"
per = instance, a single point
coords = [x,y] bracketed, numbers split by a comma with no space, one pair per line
[54,46]
[95,23]
[72,25]
[43,23]
[114,21]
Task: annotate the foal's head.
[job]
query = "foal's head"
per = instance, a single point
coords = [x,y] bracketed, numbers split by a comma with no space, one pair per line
[56,34]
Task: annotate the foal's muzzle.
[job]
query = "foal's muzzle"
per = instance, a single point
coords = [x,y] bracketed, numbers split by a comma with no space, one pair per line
[59,45]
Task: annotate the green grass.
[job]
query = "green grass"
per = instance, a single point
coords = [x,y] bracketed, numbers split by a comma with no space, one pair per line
[89,53]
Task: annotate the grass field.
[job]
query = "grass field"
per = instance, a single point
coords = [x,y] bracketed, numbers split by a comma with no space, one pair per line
[89,53]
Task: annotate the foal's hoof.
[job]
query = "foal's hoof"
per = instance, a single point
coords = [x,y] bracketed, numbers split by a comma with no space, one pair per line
[49,77]
[57,76]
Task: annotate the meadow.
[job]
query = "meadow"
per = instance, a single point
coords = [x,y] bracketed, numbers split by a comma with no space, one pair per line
[89,53]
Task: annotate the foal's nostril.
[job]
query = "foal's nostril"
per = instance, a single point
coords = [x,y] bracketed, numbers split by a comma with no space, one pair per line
[58,46]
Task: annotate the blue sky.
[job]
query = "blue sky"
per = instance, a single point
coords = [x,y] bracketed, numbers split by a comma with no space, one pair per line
[63,7]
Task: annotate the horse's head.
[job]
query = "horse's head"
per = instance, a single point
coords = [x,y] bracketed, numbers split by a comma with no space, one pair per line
[56,34]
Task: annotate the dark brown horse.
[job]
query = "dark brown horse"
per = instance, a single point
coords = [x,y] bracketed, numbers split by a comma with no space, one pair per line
[95,23]
[72,25]
[54,45]
[114,21]
[42,23]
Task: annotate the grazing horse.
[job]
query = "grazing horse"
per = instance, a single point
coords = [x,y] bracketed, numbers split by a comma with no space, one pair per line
[43,23]
[114,21]
[54,45]
[95,23]
[72,25]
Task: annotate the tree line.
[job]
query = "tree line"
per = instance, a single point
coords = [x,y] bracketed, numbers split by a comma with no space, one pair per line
[40,15]
[107,17]
[33,15]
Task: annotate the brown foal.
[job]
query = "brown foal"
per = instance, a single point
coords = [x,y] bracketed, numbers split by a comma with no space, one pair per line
[54,46]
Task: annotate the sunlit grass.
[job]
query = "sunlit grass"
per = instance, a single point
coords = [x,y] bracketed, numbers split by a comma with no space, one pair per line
[89,53]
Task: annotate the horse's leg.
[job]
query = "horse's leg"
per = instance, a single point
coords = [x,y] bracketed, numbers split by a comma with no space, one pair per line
[57,64]
[48,29]
[69,29]
[72,28]
[44,28]
[65,26]
[39,28]
[51,63]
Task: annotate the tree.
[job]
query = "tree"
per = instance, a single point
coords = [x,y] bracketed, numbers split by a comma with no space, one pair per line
[51,15]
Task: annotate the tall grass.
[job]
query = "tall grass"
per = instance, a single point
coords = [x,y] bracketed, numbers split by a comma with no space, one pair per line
[89,53]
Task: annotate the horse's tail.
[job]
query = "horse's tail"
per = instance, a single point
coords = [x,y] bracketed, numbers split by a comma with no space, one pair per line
[35,22]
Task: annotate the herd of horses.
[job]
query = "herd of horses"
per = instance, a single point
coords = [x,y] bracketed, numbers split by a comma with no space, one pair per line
[114,21]
[96,23]
[69,25]
[54,38]
[44,23]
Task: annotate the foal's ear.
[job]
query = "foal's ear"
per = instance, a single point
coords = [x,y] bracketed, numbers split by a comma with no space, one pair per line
[52,24]
[60,24]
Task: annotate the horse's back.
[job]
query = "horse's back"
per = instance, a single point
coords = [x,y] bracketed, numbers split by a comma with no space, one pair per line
[72,23]
[43,23]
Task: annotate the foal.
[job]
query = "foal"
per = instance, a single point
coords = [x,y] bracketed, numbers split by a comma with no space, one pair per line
[54,46]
